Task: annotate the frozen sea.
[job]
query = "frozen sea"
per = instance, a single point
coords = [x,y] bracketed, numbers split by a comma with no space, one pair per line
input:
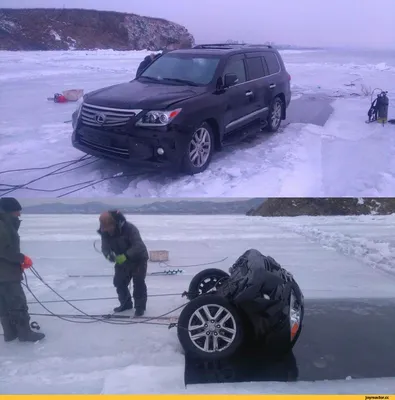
[343,156]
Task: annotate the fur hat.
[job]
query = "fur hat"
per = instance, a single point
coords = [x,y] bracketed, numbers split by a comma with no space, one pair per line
[10,204]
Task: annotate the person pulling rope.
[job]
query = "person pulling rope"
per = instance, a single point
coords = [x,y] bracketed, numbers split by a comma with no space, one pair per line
[14,315]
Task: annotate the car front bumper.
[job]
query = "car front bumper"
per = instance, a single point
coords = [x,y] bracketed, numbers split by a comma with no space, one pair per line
[162,147]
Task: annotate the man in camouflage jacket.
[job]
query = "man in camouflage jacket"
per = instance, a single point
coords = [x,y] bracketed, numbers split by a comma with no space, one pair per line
[123,245]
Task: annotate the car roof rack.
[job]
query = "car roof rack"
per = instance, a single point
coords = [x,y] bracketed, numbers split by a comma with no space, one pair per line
[230,46]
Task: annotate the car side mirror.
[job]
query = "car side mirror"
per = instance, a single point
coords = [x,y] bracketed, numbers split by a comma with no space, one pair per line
[230,80]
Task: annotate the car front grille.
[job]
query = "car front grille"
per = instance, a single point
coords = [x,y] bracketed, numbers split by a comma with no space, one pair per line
[106,150]
[105,117]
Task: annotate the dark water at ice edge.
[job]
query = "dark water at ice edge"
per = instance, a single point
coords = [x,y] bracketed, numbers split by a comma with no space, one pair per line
[341,339]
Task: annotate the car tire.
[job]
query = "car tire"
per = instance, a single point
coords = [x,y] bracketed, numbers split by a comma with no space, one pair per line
[275,115]
[204,281]
[205,134]
[193,340]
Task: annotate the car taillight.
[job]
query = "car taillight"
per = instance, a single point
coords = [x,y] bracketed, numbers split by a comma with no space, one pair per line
[289,77]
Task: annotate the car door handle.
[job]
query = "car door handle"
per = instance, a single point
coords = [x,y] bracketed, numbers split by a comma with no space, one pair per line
[249,93]
[272,86]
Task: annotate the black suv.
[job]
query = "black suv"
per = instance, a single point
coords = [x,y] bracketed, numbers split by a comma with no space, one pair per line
[185,105]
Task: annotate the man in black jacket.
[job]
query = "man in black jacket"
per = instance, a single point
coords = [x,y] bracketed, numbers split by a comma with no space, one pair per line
[14,315]
[146,62]
[123,245]
[152,57]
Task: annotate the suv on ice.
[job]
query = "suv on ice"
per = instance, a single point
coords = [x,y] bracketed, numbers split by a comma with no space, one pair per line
[186,105]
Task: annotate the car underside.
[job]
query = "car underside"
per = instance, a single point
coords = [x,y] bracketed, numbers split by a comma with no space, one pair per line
[258,300]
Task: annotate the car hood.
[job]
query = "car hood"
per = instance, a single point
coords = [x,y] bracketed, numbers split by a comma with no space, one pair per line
[141,95]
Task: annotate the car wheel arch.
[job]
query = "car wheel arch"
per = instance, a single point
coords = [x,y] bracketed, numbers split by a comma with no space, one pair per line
[216,132]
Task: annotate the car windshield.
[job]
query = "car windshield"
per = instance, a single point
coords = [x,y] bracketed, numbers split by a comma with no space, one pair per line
[182,69]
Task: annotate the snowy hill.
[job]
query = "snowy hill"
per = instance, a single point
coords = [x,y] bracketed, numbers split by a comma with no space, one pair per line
[291,207]
[77,29]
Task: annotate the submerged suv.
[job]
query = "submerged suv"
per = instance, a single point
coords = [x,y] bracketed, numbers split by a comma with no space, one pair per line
[186,105]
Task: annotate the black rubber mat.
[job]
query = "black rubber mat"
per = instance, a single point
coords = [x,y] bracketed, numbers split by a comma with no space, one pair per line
[341,339]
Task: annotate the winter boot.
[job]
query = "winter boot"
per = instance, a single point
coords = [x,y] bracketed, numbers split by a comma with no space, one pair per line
[124,307]
[140,303]
[31,336]
[25,334]
[139,312]
[9,329]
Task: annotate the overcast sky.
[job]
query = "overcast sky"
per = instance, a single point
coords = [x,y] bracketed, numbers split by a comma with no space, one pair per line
[349,23]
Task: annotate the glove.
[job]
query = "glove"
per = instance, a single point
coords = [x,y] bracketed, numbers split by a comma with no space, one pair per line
[27,263]
[120,259]
[110,257]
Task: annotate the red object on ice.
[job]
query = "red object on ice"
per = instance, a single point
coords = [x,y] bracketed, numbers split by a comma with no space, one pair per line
[59,98]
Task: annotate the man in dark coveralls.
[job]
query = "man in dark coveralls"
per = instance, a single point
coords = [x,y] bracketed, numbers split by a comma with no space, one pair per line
[14,315]
[123,245]
[174,45]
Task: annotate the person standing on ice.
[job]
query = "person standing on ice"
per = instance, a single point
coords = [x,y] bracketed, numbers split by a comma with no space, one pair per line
[14,315]
[122,244]
[146,62]
[152,57]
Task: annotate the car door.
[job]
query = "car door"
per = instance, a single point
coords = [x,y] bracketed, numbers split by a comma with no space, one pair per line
[261,96]
[276,79]
[237,102]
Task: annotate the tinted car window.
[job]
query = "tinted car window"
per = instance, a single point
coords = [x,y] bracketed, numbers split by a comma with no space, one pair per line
[236,67]
[272,63]
[197,69]
[255,68]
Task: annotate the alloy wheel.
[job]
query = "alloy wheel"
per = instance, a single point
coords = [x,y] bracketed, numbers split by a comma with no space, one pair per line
[212,328]
[200,147]
[276,114]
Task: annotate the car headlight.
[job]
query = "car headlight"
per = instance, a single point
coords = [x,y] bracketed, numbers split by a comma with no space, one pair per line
[158,118]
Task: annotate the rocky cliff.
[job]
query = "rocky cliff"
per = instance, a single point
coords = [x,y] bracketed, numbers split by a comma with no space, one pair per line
[76,29]
[292,207]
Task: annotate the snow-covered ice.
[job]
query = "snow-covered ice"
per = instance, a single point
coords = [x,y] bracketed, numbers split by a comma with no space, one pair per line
[345,157]
[331,257]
